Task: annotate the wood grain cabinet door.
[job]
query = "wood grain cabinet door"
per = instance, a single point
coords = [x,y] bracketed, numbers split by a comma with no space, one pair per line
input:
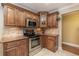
[22,48]
[52,20]
[20,18]
[10,52]
[55,20]
[43,41]
[21,51]
[37,20]
[9,15]
[50,43]
[28,14]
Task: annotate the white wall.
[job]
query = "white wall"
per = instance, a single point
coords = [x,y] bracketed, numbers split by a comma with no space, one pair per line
[1,28]
[1,21]
[60,33]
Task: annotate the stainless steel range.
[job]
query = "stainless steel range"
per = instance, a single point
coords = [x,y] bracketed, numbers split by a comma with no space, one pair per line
[34,45]
[34,41]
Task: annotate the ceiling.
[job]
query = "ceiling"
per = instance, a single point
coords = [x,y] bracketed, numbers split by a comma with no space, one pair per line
[44,6]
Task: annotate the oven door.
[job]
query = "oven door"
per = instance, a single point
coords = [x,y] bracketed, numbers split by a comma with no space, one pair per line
[34,43]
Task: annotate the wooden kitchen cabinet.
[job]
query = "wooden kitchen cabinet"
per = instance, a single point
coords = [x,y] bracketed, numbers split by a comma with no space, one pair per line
[28,14]
[10,52]
[36,18]
[52,20]
[16,48]
[20,18]
[9,15]
[32,16]
[51,43]
[22,50]
[16,16]
[43,41]
[43,19]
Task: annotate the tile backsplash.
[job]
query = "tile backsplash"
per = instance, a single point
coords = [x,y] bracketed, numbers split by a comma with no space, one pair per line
[52,31]
[12,31]
[15,31]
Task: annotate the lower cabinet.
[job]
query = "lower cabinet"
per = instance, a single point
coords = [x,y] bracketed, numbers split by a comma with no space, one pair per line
[10,52]
[19,49]
[43,41]
[49,42]
[22,50]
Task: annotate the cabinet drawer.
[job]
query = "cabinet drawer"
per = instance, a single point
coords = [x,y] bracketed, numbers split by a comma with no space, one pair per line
[21,42]
[8,45]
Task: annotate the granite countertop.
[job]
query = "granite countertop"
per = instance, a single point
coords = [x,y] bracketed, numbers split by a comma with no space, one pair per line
[9,38]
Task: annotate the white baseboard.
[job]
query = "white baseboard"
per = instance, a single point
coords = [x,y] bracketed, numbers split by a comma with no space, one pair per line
[70,44]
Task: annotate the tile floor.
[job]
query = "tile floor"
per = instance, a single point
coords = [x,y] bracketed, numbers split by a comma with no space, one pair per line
[46,52]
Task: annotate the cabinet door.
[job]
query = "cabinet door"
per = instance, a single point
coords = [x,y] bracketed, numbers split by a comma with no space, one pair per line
[43,19]
[50,43]
[43,41]
[10,52]
[23,48]
[28,14]
[20,19]
[34,16]
[52,20]
[9,15]
[55,20]
[22,51]
[36,19]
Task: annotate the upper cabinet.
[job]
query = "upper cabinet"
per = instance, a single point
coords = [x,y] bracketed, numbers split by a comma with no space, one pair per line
[36,18]
[48,20]
[52,20]
[19,17]
[32,16]
[16,16]
[13,16]
[9,15]
[28,14]
[43,19]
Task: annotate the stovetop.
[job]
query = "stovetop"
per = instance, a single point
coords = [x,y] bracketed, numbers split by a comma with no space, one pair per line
[33,36]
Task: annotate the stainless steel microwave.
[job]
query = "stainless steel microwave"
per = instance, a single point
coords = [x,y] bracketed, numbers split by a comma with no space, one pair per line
[31,23]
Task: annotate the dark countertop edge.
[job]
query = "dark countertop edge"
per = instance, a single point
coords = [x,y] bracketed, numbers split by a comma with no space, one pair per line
[50,35]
